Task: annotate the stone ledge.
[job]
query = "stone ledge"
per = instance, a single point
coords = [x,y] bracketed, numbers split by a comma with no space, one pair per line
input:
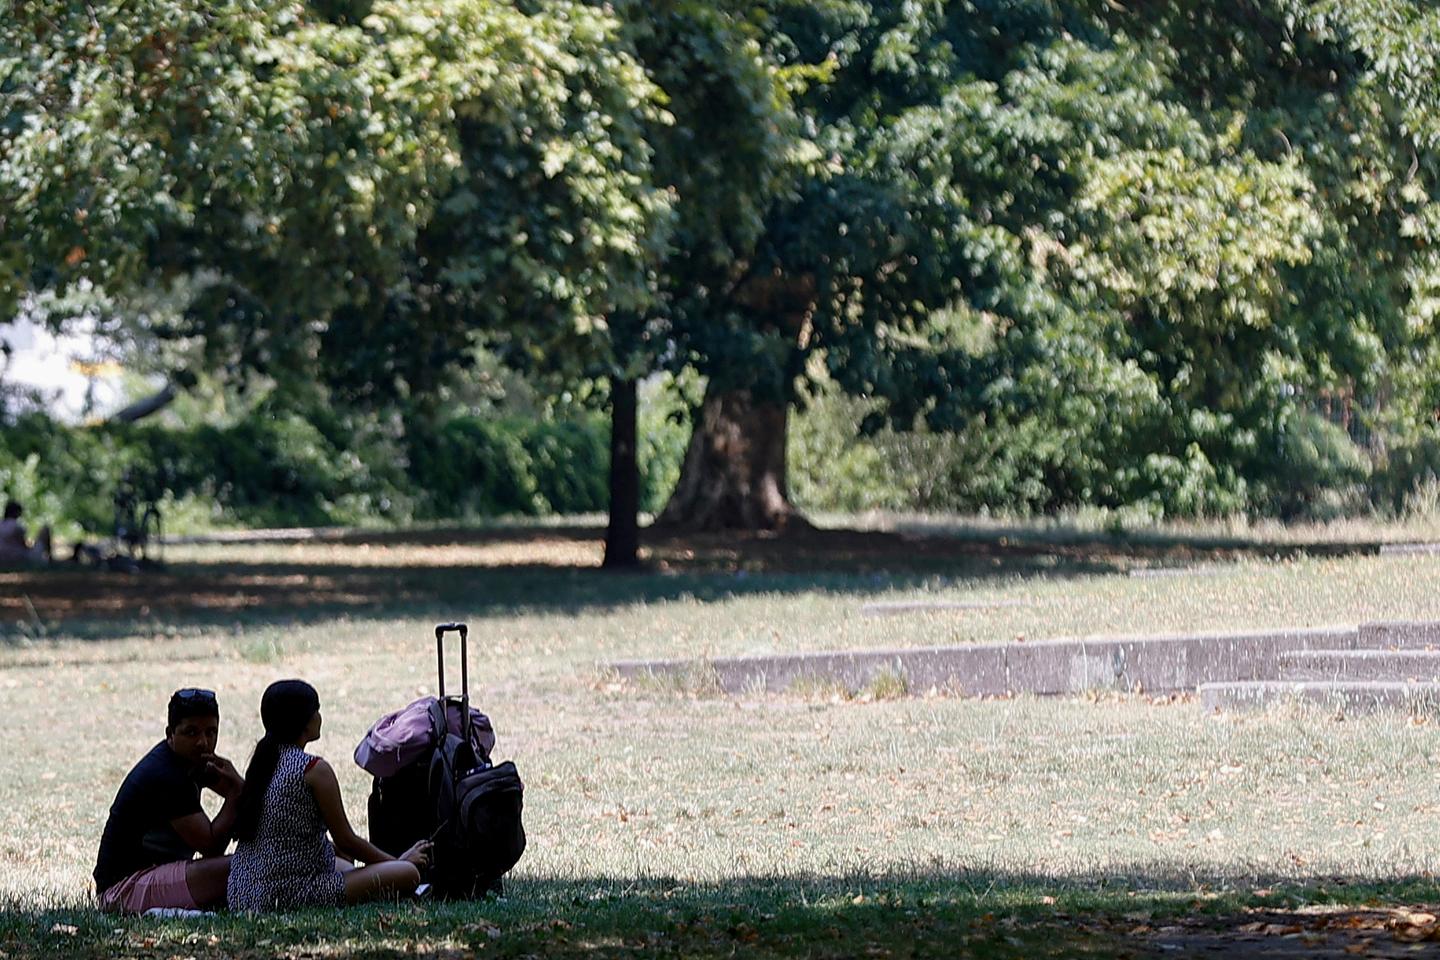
[1399,634]
[1343,695]
[1409,549]
[889,608]
[1397,665]
[1160,664]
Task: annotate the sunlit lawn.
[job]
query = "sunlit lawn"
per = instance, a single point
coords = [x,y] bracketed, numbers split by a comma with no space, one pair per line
[788,825]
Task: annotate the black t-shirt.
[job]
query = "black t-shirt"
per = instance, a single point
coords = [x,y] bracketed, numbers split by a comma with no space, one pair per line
[138,834]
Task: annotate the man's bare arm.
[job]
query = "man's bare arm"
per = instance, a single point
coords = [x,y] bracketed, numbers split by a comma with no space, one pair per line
[211,837]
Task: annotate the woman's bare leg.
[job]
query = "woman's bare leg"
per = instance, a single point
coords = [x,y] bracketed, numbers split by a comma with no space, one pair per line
[379,880]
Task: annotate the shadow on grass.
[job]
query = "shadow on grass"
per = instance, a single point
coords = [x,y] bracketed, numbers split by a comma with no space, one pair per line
[923,913]
[534,569]
[933,536]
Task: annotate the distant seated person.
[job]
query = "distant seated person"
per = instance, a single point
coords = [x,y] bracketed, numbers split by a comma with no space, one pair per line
[15,550]
[157,825]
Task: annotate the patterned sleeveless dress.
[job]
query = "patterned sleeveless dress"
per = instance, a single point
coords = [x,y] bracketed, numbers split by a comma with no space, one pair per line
[291,861]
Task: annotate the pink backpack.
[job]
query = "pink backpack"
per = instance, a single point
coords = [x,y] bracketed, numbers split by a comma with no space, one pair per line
[399,739]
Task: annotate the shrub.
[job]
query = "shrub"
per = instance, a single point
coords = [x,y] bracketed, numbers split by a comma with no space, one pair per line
[570,463]
[1316,471]
[1408,474]
[278,466]
[664,431]
[1178,466]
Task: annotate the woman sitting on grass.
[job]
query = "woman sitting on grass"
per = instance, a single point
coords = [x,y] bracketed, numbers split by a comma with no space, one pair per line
[284,859]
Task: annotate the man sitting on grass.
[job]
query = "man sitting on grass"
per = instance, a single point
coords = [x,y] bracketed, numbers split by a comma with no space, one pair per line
[157,825]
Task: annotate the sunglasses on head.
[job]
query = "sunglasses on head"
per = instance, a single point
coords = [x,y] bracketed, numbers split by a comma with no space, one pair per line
[194,695]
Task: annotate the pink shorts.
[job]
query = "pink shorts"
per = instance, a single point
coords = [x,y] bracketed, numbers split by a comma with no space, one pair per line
[162,886]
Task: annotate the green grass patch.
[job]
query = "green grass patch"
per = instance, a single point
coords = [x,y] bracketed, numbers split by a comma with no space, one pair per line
[959,913]
[888,684]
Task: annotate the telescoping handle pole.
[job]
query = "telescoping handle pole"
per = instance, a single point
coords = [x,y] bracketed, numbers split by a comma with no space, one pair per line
[440,630]
[464,630]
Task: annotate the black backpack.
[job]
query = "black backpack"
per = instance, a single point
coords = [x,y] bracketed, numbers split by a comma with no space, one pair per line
[470,808]
[478,832]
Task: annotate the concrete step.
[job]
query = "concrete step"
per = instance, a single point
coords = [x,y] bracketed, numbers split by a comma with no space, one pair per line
[1154,664]
[1396,665]
[1398,634]
[1348,695]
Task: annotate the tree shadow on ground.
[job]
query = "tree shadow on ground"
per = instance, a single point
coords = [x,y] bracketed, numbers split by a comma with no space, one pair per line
[845,548]
[970,913]
[555,569]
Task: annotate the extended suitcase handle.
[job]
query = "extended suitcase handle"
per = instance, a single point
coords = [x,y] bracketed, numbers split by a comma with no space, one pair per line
[440,630]
[443,628]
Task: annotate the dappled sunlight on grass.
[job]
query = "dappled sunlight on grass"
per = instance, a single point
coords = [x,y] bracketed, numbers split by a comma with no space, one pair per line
[762,594]
[549,552]
[665,806]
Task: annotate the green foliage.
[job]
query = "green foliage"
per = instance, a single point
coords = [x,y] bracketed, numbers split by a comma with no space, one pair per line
[1172,225]
[288,163]
[569,460]
[268,468]
[552,220]
[72,472]
[1325,469]
[1032,467]
[280,467]
[1112,251]
[663,430]
[1411,470]
[21,481]
[488,467]
[476,466]
[830,467]
[275,468]
[241,138]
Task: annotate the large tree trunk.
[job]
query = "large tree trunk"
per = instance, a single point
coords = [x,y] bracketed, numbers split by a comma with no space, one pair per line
[622,537]
[733,475]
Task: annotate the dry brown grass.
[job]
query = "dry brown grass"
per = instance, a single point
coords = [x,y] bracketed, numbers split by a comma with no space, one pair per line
[639,782]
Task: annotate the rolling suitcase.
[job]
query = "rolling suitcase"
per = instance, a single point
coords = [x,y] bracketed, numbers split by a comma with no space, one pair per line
[470,808]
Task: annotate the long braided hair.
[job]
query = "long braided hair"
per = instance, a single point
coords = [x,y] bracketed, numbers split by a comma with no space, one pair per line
[285,710]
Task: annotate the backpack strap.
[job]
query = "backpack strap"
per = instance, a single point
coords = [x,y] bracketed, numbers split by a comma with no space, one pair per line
[441,789]
[438,727]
